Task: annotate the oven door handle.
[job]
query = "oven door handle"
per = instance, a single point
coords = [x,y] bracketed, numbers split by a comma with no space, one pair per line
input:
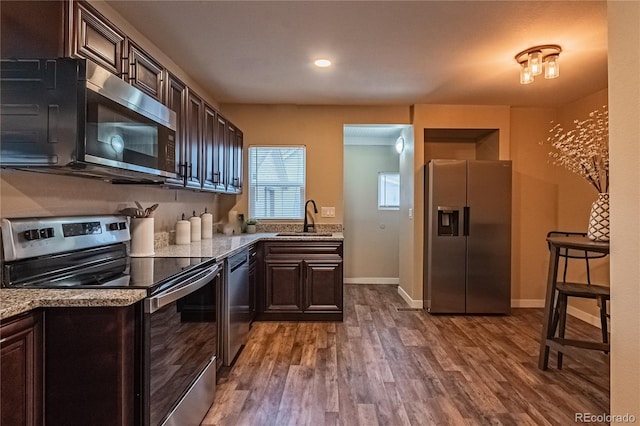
[154,303]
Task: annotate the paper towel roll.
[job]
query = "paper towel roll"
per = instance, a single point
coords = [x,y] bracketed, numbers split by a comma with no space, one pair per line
[207,225]
[142,237]
[183,232]
[196,227]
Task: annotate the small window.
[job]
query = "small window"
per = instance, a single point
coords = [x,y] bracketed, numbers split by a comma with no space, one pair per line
[277,180]
[388,191]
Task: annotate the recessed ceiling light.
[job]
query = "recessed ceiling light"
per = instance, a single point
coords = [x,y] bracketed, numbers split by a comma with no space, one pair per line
[322,63]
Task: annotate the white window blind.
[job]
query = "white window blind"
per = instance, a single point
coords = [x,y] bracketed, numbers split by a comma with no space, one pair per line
[388,191]
[277,179]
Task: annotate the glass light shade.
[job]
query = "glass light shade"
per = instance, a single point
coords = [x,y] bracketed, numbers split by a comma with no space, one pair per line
[400,145]
[552,67]
[525,74]
[535,62]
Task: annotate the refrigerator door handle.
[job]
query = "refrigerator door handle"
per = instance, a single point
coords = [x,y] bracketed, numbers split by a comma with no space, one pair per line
[466,211]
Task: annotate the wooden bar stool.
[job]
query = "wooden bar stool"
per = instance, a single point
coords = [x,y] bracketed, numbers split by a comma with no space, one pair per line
[586,290]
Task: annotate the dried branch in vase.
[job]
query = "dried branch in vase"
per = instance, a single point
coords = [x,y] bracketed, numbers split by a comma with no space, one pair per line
[585,148]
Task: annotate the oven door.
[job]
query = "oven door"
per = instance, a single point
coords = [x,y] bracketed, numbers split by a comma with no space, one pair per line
[181,346]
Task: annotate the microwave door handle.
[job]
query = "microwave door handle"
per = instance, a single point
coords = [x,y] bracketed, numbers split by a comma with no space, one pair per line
[154,303]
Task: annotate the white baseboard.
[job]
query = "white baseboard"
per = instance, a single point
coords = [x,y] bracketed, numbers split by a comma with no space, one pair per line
[372,280]
[415,304]
[586,317]
[574,312]
[527,303]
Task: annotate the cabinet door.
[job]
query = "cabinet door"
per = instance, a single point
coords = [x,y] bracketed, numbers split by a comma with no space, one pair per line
[253,281]
[230,163]
[212,160]
[234,159]
[21,386]
[222,148]
[323,285]
[283,286]
[176,100]
[237,152]
[145,73]
[193,139]
[97,39]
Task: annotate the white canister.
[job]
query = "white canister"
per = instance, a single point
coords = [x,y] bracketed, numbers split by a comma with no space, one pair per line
[183,231]
[142,237]
[196,227]
[207,225]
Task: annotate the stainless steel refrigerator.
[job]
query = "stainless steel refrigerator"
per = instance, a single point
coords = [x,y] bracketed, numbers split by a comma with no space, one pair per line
[467,265]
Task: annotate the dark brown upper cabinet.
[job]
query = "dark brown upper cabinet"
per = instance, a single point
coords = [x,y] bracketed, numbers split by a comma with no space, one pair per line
[97,39]
[222,144]
[211,167]
[193,140]
[32,29]
[145,73]
[234,159]
[176,99]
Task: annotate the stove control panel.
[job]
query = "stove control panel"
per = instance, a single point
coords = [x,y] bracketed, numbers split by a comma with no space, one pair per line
[23,238]
[36,234]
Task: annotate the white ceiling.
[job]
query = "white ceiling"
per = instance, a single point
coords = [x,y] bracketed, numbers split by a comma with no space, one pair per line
[384,52]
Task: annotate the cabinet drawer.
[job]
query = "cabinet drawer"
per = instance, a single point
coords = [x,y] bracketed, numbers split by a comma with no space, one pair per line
[303,249]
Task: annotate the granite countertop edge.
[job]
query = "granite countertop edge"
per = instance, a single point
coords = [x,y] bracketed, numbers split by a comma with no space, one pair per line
[17,301]
[20,300]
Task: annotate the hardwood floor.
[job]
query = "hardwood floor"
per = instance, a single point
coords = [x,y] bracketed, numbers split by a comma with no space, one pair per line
[384,366]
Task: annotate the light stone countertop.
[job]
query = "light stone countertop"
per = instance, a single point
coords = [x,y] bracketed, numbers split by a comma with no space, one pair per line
[221,246]
[19,300]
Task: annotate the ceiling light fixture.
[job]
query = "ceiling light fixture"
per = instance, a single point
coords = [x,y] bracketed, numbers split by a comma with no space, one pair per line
[322,63]
[534,59]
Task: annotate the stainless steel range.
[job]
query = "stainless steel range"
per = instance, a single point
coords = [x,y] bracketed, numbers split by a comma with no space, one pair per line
[179,321]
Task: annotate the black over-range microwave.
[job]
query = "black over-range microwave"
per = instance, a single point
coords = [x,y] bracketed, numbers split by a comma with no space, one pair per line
[72,116]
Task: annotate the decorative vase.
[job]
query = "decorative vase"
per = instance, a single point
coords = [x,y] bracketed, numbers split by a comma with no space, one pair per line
[599,219]
[251,229]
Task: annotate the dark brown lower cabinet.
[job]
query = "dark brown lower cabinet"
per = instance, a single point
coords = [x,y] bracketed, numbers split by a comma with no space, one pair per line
[91,374]
[21,387]
[302,281]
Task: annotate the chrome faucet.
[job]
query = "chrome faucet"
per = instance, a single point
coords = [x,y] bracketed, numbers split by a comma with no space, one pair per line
[309,227]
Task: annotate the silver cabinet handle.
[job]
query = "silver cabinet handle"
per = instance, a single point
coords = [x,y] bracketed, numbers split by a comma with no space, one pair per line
[154,303]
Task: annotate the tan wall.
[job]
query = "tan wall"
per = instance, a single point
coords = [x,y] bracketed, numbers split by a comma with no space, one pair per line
[624,110]
[535,203]
[320,129]
[371,235]
[449,150]
[26,194]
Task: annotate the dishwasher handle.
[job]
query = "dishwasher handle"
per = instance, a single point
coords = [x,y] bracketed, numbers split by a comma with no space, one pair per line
[155,303]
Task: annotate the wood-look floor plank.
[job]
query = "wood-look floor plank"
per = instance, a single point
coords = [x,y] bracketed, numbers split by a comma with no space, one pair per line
[389,367]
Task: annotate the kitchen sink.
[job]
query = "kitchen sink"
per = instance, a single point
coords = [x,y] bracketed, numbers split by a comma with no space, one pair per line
[304,234]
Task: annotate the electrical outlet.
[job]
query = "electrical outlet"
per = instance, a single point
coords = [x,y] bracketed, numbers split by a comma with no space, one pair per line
[328,212]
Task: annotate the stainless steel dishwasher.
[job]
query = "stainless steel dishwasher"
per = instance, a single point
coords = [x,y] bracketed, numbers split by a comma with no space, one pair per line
[237,312]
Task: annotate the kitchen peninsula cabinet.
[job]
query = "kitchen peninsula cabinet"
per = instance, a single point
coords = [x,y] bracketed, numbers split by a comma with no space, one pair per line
[21,388]
[302,281]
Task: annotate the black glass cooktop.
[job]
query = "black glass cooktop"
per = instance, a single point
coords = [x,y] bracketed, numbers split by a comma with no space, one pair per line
[105,267]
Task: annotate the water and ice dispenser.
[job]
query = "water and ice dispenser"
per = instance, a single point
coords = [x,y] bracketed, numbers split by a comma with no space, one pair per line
[448,221]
